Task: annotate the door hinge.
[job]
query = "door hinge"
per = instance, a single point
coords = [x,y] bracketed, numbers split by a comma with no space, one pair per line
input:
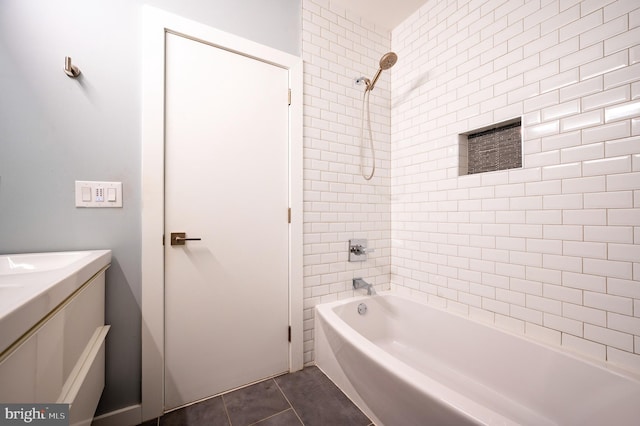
[289,333]
[289,215]
[289,96]
[162,239]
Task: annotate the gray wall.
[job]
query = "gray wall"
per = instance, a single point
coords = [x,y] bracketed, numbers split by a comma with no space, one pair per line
[55,130]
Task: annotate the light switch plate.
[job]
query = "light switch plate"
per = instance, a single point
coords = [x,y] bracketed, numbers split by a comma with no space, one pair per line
[101,194]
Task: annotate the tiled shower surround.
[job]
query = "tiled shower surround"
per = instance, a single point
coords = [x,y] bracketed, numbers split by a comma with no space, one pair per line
[550,250]
[339,204]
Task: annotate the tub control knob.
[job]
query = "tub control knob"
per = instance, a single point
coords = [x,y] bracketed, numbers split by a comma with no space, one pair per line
[358,250]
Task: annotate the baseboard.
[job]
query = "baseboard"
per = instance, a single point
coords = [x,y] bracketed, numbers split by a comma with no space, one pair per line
[128,416]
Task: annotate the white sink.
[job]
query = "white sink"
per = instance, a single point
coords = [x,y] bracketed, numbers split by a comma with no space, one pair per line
[34,284]
[38,262]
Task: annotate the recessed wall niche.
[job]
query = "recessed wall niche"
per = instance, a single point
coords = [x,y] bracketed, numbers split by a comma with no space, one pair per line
[497,147]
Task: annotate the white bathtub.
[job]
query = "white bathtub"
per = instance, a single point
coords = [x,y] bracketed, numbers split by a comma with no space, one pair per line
[406,363]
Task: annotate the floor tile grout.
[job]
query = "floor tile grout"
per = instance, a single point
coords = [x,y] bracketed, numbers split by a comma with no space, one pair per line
[288,401]
[269,417]
[226,411]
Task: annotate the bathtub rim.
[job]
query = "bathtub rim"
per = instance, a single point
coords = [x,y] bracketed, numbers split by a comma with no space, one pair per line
[327,309]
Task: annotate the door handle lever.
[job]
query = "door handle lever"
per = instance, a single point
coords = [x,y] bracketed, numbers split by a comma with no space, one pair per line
[179,238]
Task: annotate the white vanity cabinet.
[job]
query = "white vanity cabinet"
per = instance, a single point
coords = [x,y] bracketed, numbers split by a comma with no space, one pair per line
[61,358]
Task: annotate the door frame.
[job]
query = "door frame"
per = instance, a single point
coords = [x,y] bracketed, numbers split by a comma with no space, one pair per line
[156,23]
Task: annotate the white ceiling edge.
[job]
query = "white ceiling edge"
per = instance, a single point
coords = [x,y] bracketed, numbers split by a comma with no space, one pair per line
[386,14]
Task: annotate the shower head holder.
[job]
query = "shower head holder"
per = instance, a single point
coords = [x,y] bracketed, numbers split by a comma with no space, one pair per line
[362,80]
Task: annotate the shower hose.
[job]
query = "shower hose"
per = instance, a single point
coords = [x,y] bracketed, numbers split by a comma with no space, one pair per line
[365,104]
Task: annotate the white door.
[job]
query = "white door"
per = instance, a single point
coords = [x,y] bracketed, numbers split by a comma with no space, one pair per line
[226,182]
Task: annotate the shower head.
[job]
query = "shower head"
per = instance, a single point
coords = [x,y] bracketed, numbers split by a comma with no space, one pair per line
[388,60]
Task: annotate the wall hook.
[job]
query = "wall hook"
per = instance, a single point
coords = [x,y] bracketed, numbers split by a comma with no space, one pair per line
[70,69]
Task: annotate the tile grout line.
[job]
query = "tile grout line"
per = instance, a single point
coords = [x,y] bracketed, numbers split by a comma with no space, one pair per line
[289,402]
[271,416]
[224,405]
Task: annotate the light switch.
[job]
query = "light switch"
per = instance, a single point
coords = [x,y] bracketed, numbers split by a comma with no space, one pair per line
[98,194]
[86,193]
[111,194]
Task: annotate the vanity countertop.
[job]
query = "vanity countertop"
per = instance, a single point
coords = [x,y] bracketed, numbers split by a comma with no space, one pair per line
[33,284]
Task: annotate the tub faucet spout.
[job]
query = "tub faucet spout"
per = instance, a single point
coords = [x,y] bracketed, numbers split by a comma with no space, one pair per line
[360,283]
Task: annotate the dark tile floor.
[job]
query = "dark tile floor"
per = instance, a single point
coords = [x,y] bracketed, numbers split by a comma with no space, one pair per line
[306,398]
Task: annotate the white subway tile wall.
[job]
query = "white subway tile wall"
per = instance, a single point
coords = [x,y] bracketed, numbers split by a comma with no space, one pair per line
[551,250]
[339,204]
